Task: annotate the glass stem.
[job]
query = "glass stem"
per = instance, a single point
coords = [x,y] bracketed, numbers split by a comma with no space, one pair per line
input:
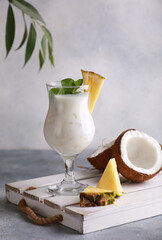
[69,166]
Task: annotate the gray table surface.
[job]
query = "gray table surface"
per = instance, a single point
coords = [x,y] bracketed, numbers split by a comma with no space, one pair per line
[18,165]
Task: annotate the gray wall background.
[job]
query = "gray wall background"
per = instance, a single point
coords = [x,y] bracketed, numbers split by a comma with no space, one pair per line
[121,40]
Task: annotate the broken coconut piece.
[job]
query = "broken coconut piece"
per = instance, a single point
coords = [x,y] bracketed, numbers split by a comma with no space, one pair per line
[138,156]
[110,179]
[92,197]
[100,157]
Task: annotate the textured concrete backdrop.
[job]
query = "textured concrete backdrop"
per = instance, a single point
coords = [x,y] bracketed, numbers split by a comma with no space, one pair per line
[122,40]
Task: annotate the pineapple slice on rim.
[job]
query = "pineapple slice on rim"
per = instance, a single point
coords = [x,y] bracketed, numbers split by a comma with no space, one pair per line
[95,82]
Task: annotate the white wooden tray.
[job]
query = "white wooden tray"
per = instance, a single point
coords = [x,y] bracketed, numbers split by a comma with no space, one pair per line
[139,201]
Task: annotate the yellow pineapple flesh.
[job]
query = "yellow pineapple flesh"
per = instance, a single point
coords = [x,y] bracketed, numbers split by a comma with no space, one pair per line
[92,197]
[95,82]
[110,178]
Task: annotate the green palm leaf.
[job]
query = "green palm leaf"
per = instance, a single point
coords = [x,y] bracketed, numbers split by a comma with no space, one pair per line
[24,35]
[50,43]
[50,53]
[42,52]
[47,34]
[28,9]
[10,29]
[30,43]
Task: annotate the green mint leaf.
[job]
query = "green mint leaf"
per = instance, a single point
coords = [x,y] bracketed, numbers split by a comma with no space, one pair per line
[72,87]
[30,43]
[25,33]
[57,91]
[68,90]
[10,29]
[42,52]
[28,9]
[68,82]
[76,92]
[79,82]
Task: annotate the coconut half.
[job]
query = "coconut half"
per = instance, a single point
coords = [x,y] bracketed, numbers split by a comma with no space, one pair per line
[138,156]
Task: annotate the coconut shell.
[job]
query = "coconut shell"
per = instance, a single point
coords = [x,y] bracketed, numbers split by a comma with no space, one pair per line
[124,170]
[101,160]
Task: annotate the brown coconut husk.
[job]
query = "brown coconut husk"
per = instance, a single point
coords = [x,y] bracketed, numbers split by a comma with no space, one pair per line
[101,160]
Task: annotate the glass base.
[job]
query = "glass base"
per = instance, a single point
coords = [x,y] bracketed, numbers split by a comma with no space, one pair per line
[66,188]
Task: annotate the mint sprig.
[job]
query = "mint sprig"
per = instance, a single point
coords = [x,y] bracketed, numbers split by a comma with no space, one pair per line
[69,86]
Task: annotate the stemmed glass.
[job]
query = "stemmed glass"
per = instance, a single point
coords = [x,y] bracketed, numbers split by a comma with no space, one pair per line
[68,129]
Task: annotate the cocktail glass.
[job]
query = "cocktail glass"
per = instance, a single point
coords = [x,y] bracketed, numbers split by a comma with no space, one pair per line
[68,129]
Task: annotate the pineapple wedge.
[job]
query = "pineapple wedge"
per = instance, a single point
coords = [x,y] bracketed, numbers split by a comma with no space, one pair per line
[95,82]
[110,178]
[92,196]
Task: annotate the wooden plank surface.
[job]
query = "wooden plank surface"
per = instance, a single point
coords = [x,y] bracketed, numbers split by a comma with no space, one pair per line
[127,201]
[119,218]
[21,186]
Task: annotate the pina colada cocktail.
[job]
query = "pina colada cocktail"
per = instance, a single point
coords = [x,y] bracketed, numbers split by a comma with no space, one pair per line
[68,128]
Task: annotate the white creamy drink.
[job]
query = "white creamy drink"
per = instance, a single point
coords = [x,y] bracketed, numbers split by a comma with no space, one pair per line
[69,127]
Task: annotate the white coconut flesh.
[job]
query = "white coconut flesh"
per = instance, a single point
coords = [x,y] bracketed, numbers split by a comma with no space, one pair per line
[141,152]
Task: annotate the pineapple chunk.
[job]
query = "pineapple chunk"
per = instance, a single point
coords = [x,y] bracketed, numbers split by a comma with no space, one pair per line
[110,178]
[92,197]
[95,82]
[95,190]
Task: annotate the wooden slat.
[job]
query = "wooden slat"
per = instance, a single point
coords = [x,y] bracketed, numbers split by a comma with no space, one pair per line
[64,201]
[42,192]
[130,215]
[38,194]
[124,203]
[61,202]
[21,186]
[132,187]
